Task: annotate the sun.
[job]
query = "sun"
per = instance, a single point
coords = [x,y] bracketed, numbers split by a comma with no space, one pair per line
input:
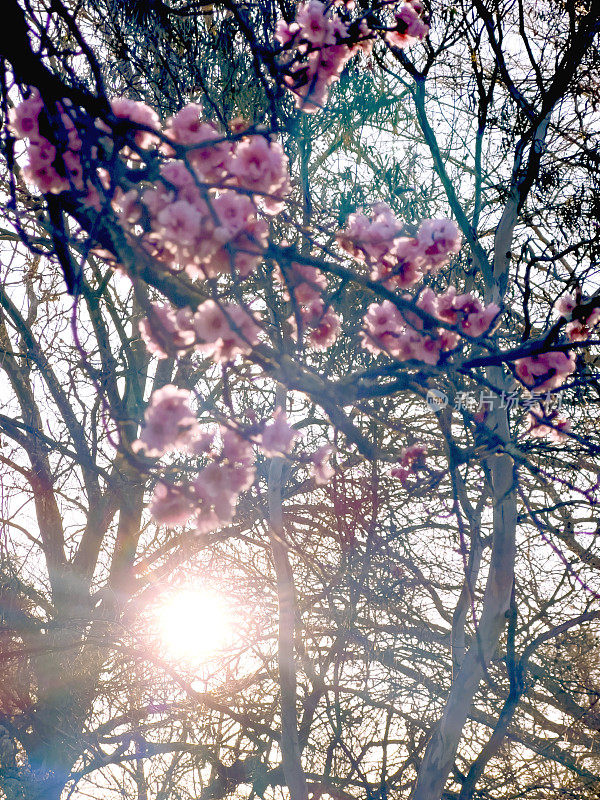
[192,624]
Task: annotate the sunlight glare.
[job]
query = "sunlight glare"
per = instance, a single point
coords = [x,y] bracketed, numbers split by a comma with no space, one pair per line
[192,624]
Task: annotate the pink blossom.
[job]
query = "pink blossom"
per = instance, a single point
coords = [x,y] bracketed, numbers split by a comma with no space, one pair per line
[236,449]
[404,266]
[578,331]
[556,431]
[234,211]
[243,335]
[383,323]
[312,20]
[24,118]
[260,165]
[402,474]
[186,126]
[424,348]
[371,240]
[546,370]
[139,113]
[477,323]
[565,304]
[46,178]
[210,323]
[325,329]
[170,423]
[438,238]
[180,222]
[409,26]
[74,169]
[225,332]
[213,484]
[127,205]
[171,504]
[440,306]
[167,331]
[322,471]
[156,198]
[178,174]
[414,454]
[306,282]
[278,436]
[41,152]
[212,153]
[285,33]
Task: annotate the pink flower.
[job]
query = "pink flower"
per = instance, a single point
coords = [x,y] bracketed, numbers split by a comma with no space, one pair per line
[546,370]
[372,240]
[46,178]
[225,332]
[234,211]
[402,474]
[285,33]
[404,265]
[312,19]
[278,436]
[177,174]
[213,484]
[127,205]
[171,504]
[210,323]
[41,152]
[186,126]
[409,26]
[424,348]
[565,304]
[260,165]
[139,113]
[236,449]
[326,330]
[167,331]
[179,222]
[383,323]
[556,431]
[211,154]
[74,169]
[170,423]
[306,282]
[414,454]
[322,471]
[478,322]
[438,238]
[23,119]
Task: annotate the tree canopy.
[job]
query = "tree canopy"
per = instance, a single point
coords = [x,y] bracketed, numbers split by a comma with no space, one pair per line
[298,335]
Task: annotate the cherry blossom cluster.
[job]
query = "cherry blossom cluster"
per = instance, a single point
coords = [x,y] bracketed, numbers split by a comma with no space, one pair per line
[211,497]
[304,286]
[465,311]
[403,335]
[322,39]
[411,460]
[577,330]
[170,426]
[51,168]
[202,214]
[410,27]
[222,331]
[545,371]
[396,260]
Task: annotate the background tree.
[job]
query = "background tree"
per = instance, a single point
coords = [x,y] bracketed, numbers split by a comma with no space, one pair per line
[377,660]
